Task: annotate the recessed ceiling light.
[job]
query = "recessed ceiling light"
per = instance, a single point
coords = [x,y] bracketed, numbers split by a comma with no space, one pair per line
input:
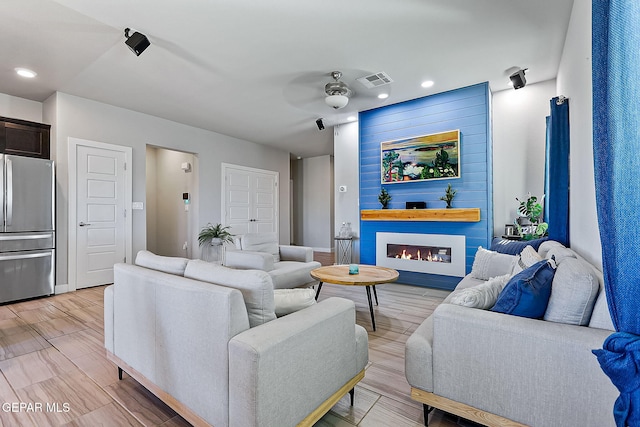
[24,72]
[427,84]
[383,95]
[351,118]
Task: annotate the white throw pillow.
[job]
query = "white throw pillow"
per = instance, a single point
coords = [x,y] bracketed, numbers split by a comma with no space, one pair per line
[488,264]
[526,259]
[573,293]
[165,264]
[256,287]
[482,296]
[289,300]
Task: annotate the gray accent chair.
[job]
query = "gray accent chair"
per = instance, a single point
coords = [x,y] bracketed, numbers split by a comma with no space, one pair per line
[288,266]
[190,342]
[502,370]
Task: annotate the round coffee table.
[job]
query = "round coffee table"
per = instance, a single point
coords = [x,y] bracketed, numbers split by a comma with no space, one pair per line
[368,275]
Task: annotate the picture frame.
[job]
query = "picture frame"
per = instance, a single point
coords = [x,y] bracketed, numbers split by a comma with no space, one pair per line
[421,158]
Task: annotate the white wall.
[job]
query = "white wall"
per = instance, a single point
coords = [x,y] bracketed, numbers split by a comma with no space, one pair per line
[574,81]
[20,108]
[318,203]
[519,134]
[86,119]
[346,171]
[151,203]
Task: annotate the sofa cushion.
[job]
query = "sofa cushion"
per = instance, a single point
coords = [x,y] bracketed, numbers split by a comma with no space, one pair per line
[545,246]
[600,317]
[527,293]
[165,264]
[526,259]
[262,242]
[560,253]
[488,264]
[514,247]
[289,300]
[482,296]
[573,293]
[256,287]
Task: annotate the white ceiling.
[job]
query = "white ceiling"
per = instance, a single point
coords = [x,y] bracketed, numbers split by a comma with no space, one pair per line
[256,69]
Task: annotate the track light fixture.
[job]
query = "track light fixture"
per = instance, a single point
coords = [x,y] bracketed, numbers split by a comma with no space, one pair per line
[137,42]
[320,124]
[517,79]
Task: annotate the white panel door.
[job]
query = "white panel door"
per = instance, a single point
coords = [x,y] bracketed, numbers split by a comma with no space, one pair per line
[250,200]
[100,214]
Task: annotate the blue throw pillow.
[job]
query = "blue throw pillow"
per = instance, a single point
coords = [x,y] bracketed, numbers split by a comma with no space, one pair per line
[514,247]
[527,293]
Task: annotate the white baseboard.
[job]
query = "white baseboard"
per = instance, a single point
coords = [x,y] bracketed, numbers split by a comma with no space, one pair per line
[323,249]
[61,289]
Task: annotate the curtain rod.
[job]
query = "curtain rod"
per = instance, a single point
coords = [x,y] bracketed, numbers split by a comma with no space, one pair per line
[560,100]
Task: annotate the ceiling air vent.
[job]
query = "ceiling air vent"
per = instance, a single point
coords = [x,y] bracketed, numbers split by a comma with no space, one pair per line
[375,80]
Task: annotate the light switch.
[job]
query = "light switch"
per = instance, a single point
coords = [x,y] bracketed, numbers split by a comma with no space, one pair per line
[342,189]
[137,205]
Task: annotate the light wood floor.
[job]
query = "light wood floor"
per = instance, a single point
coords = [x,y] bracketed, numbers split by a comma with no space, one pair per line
[52,354]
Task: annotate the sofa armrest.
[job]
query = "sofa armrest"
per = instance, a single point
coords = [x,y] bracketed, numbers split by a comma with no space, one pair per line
[296,253]
[108,318]
[293,363]
[249,260]
[517,363]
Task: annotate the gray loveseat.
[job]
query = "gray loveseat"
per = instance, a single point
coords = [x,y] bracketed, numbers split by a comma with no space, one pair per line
[205,340]
[503,370]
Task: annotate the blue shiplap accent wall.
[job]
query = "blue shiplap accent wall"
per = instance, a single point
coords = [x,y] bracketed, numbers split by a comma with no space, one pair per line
[466,109]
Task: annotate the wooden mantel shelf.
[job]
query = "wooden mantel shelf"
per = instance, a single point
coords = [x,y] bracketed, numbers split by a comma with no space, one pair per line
[441,215]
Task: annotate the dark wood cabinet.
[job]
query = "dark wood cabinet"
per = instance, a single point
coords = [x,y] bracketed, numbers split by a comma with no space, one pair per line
[24,138]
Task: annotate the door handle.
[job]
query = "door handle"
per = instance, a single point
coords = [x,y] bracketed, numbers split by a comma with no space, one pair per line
[82,224]
[9,217]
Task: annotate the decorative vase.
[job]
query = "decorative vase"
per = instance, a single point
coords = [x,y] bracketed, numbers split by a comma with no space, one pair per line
[214,251]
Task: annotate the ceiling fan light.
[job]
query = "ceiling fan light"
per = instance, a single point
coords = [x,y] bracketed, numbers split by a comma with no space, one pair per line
[337,101]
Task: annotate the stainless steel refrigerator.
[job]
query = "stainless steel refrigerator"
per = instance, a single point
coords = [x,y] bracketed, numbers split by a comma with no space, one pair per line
[27,227]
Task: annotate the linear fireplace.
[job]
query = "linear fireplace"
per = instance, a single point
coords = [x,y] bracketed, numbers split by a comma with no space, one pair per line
[423,253]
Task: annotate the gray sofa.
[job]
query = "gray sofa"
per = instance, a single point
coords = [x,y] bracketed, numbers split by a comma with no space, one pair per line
[498,369]
[289,266]
[205,340]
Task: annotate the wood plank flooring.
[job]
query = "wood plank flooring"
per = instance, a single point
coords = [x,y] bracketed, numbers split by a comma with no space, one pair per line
[53,363]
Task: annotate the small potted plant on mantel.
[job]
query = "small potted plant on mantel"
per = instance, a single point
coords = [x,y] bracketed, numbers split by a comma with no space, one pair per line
[214,236]
[384,198]
[449,194]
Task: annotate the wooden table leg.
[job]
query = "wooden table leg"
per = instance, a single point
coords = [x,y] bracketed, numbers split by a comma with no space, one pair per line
[373,320]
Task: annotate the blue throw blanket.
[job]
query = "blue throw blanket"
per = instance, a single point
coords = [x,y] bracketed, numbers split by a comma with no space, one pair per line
[620,360]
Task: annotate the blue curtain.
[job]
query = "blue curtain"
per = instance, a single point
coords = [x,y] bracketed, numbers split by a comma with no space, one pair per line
[616,145]
[556,186]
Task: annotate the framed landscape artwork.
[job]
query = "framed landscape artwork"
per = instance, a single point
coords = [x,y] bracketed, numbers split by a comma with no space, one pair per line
[421,158]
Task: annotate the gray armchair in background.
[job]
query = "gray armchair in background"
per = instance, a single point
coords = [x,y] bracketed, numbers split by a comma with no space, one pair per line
[288,266]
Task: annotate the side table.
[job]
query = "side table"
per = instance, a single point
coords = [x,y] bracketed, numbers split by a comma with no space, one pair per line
[343,250]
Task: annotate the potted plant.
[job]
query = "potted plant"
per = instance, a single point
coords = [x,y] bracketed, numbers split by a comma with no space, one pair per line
[384,198]
[449,194]
[215,235]
[529,224]
[530,209]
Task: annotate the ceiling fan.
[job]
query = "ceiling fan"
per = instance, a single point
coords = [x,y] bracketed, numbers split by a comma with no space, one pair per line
[338,93]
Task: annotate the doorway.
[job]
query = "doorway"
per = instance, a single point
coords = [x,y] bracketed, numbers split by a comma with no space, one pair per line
[170,189]
[249,199]
[99,199]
